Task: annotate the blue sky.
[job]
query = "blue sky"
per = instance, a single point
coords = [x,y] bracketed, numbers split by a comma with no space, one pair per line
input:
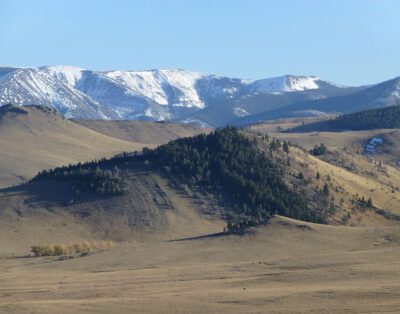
[346,41]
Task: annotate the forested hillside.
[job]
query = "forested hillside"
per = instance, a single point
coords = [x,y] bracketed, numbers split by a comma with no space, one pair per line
[224,163]
[382,118]
[230,165]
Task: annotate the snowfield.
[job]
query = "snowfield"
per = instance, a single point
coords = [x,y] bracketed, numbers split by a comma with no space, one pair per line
[372,144]
[288,83]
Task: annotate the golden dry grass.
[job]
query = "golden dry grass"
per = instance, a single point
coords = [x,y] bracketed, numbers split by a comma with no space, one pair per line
[283,268]
[39,140]
[372,183]
[348,173]
[183,265]
[154,133]
[274,126]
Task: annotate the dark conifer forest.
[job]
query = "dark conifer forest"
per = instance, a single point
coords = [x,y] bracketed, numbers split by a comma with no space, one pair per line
[87,177]
[382,118]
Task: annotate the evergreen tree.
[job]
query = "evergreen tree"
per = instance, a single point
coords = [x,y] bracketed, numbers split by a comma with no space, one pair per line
[285,147]
[325,190]
[318,150]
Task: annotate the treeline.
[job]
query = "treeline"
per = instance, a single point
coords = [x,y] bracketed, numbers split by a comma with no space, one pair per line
[382,118]
[228,164]
[88,177]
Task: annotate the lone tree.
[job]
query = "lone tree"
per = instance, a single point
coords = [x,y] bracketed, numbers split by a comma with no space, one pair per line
[369,203]
[325,190]
[318,150]
[285,147]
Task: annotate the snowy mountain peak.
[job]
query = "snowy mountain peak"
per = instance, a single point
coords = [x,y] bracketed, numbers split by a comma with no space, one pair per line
[286,83]
[66,74]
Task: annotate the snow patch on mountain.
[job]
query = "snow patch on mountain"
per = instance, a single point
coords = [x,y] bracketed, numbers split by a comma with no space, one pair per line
[373,143]
[165,87]
[311,113]
[35,86]
[197,122]
[66,74]
[240,112]
[286,83]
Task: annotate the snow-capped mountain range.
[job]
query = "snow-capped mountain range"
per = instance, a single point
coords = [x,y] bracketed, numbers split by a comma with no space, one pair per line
[184,96]
[148,95]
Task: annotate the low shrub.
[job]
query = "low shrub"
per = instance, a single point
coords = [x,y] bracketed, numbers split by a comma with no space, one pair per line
[71,248]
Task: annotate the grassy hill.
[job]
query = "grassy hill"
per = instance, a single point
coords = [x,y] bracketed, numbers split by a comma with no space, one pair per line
[34,138]
[225,164]
[155,133]
[348,172]
[225,176]
[151,206]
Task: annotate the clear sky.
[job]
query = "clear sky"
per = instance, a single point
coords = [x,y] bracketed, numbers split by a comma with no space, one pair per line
[346,41]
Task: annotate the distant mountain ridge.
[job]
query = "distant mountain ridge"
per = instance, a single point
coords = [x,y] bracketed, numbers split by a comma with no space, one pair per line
[381,95]
[142,95]
[179,95]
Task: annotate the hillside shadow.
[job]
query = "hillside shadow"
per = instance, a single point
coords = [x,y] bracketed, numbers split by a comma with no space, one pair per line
[51,193]
[206,236]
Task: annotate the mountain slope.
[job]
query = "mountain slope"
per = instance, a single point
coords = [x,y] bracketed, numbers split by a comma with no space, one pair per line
[52,88]
[384,94]
[250,103]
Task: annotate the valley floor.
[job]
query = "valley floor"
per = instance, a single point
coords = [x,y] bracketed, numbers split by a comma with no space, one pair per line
[285,267]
